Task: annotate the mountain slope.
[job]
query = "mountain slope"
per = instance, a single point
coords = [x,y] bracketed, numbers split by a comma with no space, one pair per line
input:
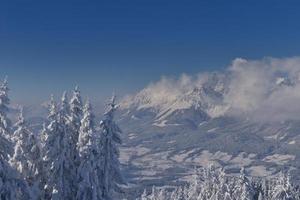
[167,135]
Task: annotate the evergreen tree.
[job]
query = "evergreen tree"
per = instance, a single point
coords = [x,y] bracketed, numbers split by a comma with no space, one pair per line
[75,118]
[177,194]
[193,187]
[57,163]
[69,143]
[245,193]
[27,156]
[283,190]
[227,196]
[280,189]
[88,181]
[5,123]
[65,108]
[243,187]
[11,184]
[260,196]
[110,139]
[144,196]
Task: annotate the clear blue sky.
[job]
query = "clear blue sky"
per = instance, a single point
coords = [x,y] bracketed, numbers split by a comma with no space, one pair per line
[105,45]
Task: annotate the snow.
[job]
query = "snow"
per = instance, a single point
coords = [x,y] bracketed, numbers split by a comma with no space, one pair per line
[202,123]
[278,136]
[134,117]
[153,163]
[127,152]
[292,142]
[125,155]
[215,184]
[279,159]
[243,159]
[181,156]
[164,123]
[168,96]
[259,171]
[280,80]
[212,130]
[161,123]
[168,100]
[206,158]
[172,142]
[132,135]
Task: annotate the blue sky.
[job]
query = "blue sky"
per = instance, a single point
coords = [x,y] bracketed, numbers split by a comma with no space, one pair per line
[104,46]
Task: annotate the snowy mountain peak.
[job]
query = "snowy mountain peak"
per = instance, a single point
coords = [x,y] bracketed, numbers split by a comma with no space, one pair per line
[259,90]
[169,98]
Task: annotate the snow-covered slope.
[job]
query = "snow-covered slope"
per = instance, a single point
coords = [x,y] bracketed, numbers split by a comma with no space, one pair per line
[174,125]
[174,104]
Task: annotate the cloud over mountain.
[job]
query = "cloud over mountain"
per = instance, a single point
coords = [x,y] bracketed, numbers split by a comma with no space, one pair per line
[266,89]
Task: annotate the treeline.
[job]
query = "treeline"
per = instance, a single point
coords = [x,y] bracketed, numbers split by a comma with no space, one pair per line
[214,184]
[72,157]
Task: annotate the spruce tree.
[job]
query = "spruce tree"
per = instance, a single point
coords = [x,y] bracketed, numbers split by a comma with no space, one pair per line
[12,186]
[27,156]
[283,188]
[65,108]
[57,162]
[110,139]
[69,143]
[5,123]
[88,181]
[243,189]
[75,117]
[74,110]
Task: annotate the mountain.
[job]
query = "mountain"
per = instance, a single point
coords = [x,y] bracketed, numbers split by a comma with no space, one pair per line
[175,107]
[171,128]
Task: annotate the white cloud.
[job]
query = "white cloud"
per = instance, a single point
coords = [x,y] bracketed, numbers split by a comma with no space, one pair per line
[266,89]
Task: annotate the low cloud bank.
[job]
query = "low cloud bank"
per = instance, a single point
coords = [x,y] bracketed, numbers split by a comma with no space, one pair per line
[266,89]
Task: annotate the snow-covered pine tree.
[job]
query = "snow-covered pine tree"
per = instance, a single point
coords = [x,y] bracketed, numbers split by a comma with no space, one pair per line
[221,187]
[69,143]
[110,139]
[177,194]
[245,193]
[27,157]
[65,108]
[260,196]
[208,186]
[59,178]
[5,128]
[227,196]
[11,186]
[49,139]
[75,119]
[193,189]
[75,113]
[88,181]
[5,123]
[154,194]
[279,188]
[243,189]
[283,190]
[144,196]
